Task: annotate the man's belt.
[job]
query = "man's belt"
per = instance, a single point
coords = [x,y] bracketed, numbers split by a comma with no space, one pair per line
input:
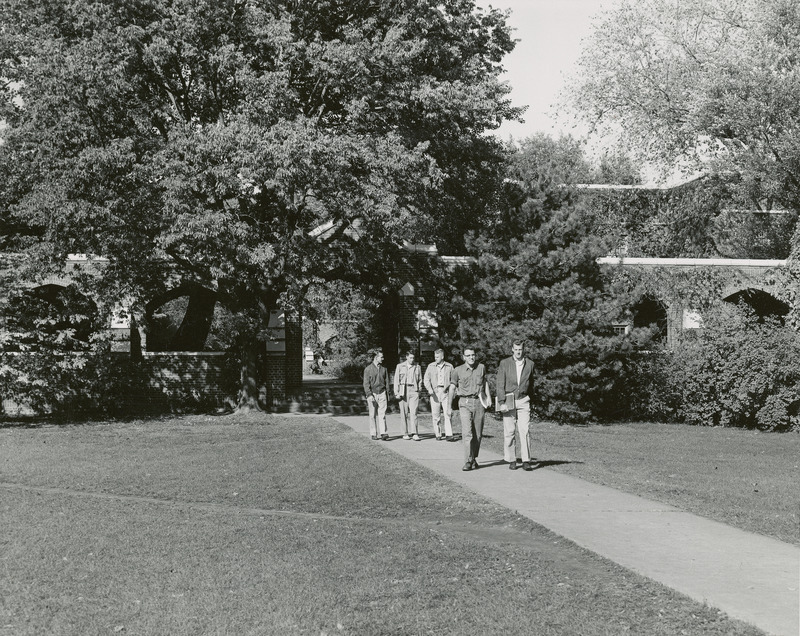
[469,397]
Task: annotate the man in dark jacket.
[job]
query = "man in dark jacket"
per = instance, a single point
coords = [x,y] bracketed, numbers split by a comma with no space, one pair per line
[376,385]
[513,390]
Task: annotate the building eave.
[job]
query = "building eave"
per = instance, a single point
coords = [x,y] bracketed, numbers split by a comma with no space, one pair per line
[691,262]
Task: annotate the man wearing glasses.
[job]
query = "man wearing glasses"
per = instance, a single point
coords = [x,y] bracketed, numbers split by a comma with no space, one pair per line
[468,381]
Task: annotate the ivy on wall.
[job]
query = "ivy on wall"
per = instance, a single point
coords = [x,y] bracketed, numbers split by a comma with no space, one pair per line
[703,219]
[699,288]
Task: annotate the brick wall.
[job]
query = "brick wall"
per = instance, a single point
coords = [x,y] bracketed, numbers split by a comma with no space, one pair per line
[293,359]
[409,335]
[166,381]
[275,369]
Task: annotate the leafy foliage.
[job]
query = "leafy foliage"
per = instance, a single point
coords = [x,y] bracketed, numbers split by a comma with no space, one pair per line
[207,143]
[699,220]
[68,383]
[738,371]
[53,358]
[51,318]
[702,84]
[536,278]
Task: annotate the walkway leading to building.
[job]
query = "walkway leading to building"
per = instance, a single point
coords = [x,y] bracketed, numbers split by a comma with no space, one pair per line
[748,576]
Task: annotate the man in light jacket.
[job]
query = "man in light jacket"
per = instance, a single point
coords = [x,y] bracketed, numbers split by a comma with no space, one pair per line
[513,390]
[407,386]
[437,383]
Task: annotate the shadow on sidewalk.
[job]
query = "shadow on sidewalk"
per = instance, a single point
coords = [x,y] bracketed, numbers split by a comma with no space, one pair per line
[537,464]
[544,463]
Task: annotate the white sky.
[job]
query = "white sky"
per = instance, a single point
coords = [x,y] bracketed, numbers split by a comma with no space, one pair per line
[549,34]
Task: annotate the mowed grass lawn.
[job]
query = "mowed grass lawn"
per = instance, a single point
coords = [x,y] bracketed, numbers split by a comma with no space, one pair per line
[286,525]
[747,479]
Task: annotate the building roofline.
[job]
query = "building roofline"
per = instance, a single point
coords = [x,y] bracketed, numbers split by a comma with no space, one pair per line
[691,262]
[641,186]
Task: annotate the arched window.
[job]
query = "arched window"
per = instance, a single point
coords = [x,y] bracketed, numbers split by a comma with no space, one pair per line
[651,314]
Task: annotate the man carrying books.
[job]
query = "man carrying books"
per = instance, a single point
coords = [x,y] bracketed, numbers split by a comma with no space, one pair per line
[513,389]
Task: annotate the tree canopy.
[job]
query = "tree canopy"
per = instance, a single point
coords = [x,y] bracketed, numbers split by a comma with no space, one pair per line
[205,141]
[707,83]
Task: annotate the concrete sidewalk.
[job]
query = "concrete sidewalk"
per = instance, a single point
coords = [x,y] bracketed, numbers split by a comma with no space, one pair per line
[748,576]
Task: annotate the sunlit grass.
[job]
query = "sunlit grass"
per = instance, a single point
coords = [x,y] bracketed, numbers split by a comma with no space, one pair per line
[267,525]
[746,479]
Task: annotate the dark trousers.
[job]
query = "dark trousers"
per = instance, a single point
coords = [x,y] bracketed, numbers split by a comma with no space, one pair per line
[471,411]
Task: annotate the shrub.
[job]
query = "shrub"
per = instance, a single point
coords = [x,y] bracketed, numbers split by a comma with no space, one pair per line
[55,359]
[350,369]
[739,370]
[642,389]
[67,383]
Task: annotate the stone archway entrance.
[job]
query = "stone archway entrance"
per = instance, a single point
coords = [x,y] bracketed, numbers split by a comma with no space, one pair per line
[762,303]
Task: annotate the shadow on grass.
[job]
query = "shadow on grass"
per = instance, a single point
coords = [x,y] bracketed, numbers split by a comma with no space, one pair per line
[99,419]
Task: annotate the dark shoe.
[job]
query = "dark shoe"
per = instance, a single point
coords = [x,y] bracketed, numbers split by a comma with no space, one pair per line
[527,466]
[450,438]
[512,465]
[374,437]
[385,437]
[467,466]
[474,465]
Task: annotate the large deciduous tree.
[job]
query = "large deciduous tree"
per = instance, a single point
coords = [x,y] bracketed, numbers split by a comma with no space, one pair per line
[706,84]
[202,142]
[711,83]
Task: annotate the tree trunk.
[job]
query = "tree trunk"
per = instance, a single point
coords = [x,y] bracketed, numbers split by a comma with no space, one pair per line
[249,385]
[196,323]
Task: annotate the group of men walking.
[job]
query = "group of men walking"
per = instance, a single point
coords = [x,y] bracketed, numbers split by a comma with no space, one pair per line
[467,384]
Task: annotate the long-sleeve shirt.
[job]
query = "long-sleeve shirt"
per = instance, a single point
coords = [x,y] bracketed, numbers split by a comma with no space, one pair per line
[438,375]
[376,379]
[407,379]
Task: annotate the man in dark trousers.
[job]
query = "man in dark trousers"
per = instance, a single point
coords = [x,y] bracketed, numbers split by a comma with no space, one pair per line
[469,382]
[513,386]
[376,384]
